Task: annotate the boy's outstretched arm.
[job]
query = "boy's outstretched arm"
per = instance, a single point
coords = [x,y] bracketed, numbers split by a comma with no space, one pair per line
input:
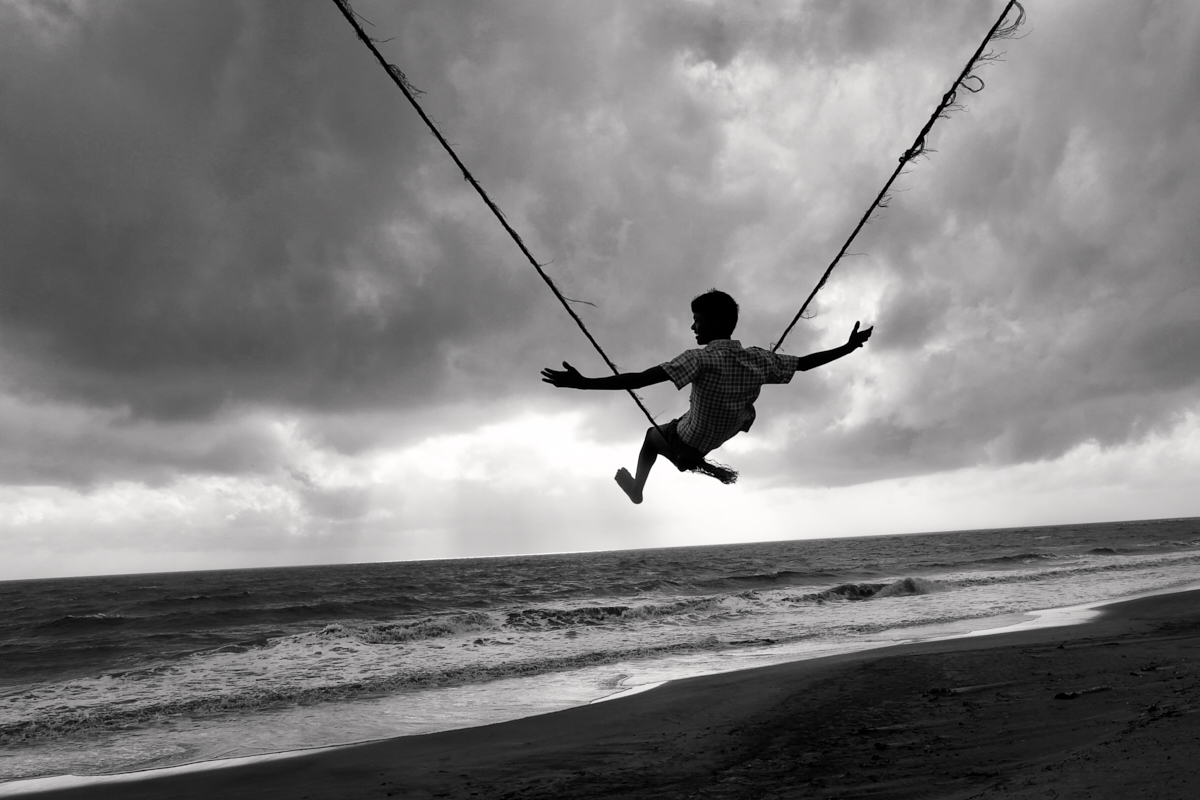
[857,339]
[569,378]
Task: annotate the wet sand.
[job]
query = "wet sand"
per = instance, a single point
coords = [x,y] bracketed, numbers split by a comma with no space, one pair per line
[1106,709]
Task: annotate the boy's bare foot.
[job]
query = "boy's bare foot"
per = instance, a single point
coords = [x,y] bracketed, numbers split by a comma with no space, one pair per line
[628,484]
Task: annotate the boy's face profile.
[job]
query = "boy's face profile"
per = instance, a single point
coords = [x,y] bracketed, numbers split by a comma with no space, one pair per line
[703,328]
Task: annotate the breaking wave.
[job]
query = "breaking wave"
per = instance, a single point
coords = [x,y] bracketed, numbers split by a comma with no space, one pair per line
[109,717]
[393,632]
[903,587]
[540,618]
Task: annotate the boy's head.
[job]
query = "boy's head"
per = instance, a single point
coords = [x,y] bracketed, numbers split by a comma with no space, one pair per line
[716,315]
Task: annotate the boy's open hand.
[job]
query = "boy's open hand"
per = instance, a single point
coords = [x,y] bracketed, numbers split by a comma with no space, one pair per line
[566,378]
[859,338]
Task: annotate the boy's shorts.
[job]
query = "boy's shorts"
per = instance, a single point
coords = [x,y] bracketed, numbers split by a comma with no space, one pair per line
[682,454]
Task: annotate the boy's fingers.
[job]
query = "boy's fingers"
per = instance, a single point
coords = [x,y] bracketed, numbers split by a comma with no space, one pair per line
[857,337]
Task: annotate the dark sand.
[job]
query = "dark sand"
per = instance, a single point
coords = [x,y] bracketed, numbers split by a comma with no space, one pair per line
[964,718]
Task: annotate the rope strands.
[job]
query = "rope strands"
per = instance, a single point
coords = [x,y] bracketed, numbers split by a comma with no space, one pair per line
[949,103]
[719,471]
[966,80]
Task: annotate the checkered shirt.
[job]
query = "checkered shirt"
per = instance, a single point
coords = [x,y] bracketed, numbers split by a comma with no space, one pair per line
[726,380]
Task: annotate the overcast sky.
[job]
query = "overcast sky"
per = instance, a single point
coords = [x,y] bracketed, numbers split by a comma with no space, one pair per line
[250,313]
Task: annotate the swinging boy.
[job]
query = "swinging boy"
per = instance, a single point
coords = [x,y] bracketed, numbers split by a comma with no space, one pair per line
[726,379]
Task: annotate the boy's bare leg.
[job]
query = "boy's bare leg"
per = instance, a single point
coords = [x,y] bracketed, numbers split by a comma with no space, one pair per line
[628,485]
[652,446]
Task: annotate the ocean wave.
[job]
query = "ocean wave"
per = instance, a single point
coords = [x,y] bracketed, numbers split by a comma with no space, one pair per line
[1020,558]
[1011,560]
[766,580]
[217,613]
[395,632]
[849,592]
[84,620]
[543,618]
[65,721]
[678,608]
[194,615]
[1132,565]
[528,618]
[172,602]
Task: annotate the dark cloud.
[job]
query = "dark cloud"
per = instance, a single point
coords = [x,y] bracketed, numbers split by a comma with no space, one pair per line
[215,221]
[53,445]
[213,213]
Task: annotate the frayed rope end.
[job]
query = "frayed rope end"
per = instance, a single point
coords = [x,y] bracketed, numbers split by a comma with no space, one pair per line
[721,472]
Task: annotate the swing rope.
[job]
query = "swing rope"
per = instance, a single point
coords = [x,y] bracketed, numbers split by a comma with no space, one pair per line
[721,472]
[949,103]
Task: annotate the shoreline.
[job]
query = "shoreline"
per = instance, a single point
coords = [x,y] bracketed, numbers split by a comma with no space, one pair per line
[785,654]
[673,734]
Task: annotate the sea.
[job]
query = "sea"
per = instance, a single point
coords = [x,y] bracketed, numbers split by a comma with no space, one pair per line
[103,675]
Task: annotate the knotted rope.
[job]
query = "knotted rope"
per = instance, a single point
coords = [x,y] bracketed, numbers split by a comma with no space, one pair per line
[949,103]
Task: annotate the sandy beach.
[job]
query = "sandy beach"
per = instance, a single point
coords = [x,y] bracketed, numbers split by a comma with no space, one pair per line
[1105,709]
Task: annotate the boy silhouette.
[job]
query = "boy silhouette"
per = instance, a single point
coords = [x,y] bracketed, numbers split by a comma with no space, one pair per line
[725,378]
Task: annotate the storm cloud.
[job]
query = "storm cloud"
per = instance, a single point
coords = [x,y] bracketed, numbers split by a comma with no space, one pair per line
[229,250]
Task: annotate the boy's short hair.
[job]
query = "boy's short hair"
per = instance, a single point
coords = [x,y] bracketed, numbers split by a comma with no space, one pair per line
[719,308]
